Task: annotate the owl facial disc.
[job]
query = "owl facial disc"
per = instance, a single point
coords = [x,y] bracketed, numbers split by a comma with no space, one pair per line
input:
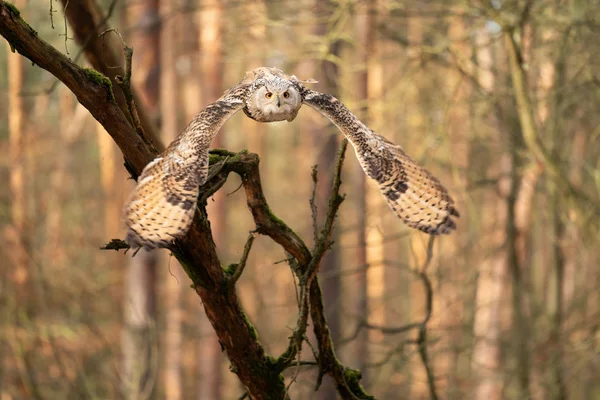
[275,98]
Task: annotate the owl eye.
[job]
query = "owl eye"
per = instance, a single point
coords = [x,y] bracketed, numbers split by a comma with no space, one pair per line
[268,95]
[286,94]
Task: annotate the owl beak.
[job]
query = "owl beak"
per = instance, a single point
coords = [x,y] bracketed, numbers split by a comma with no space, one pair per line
[278,101]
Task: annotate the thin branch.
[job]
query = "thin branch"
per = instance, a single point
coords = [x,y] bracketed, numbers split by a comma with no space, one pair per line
[124,82]
[335,200]
[242,264]
[422,338]
[313,203]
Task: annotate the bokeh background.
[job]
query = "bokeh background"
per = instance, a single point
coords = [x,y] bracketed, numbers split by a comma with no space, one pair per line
[499,99]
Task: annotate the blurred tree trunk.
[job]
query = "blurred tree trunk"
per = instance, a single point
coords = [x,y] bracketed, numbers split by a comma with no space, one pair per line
[70,126]
[106,147]
[528,130]
[454,300]
[365,26]
[17,233]
[173,291]
[327,142]
[553,77]
[255,14]
[139,336]
[486,355]
[211,55]
[370,254]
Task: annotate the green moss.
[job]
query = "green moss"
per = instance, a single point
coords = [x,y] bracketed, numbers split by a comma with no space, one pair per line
[251,328]
[15,11]
[352,378]
[230,269]
[196,280]
[100,80]
[274,217]
[219,155]
[274,362]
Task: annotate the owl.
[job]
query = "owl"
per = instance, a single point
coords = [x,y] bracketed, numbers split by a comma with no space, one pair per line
[162,206]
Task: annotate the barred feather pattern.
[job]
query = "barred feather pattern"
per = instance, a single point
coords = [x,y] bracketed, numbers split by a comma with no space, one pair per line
[162,206]
[416,196]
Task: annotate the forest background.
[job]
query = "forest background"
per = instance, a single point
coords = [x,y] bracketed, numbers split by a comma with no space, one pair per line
[498,99]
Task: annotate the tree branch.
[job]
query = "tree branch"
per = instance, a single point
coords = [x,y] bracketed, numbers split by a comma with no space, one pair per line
[88,22]
[239,267]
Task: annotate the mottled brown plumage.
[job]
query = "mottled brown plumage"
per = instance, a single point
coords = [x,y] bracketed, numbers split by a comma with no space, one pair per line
[415,195]
[163,204]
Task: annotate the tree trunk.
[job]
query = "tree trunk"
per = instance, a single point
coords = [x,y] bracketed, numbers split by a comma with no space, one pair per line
[529,133]
[17,233]
[330,264]
[486,356]
[174,284]
[211,55]
[139,335]
[364,27]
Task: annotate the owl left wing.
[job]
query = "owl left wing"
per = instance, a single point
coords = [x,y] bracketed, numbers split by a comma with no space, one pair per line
[415,195]
[162,206]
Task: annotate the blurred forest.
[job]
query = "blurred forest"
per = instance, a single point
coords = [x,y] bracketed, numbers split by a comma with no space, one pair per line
[499,99]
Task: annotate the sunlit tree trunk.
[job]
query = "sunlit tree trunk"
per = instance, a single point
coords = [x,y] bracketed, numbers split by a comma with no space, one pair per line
[71,125]
[211,54]
[17,233]
[106,147]
[552,77]
[255,14]
[365,30]
[327,143]
[139,336]
[521,325]
[455,297]
[174,284]
[486,355]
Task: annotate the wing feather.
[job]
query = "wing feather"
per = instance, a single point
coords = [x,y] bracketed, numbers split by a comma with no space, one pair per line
[414,194]
[162,206]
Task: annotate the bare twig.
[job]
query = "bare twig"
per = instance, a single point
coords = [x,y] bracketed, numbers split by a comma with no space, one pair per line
[313,203]
[422,338]
[242,264]
[124,82]
[335,200]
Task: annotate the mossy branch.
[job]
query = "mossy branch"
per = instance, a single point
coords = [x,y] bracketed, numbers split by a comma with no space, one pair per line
[236,272]
[124,83]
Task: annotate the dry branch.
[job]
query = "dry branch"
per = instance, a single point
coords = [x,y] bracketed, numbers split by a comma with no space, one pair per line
[88,23]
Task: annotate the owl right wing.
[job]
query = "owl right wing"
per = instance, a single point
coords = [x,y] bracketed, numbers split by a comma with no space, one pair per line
[162,206]
[416,196]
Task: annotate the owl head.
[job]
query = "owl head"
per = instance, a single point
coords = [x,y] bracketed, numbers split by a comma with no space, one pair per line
[275,96]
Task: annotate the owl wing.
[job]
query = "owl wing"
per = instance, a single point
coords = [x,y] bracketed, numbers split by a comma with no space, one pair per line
[416,196]
[162,206]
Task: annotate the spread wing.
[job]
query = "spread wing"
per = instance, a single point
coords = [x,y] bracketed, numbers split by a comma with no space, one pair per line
[416,196]
[162,206]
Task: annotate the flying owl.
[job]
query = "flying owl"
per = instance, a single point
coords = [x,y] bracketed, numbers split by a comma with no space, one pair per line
[162,206]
